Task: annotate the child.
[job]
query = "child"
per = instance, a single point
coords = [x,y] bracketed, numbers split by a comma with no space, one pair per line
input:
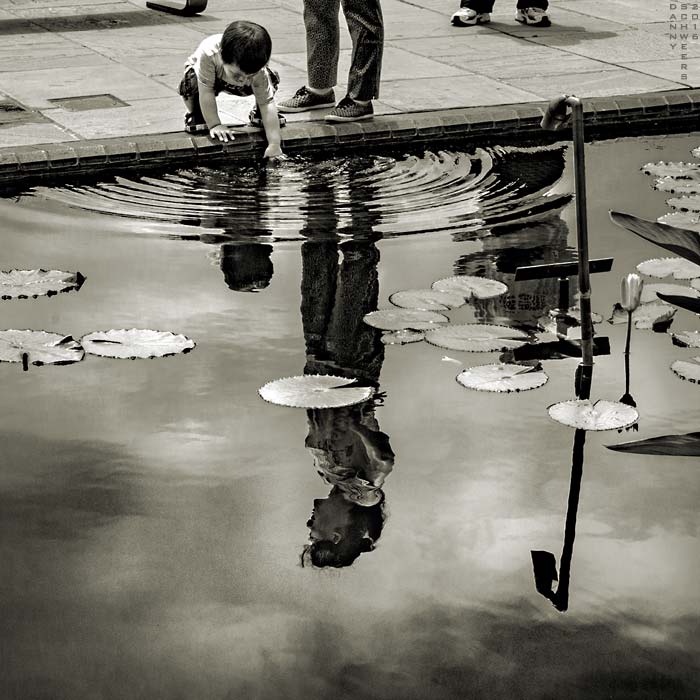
[233,62]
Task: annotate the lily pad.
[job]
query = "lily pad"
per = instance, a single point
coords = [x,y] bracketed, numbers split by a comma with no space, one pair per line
[22,284]
[685,203]
[676,170]
[681,219]
[679,241]
[470,286]
[398,319]
[477,337]
[502,377]
[599,415]
[39,348]
[402,337]
[132,343]
[680,268]
[645,316]
[315,391]
[677,185]
[686,339]
[687,369]
[427,299]
[687,445]
[649,291]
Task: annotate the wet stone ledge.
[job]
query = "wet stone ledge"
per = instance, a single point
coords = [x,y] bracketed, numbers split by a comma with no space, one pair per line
[662,112]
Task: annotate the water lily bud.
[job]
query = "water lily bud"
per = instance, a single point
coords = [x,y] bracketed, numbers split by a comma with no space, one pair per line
[631,290]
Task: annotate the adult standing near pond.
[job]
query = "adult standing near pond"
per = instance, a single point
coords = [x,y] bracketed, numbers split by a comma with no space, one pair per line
[366,27]
[471,12]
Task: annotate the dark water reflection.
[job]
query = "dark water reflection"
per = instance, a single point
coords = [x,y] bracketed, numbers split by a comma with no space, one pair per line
[486,189]
[154,513]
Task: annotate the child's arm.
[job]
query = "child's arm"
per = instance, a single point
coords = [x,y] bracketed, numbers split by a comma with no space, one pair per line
[271,124]
[210,112]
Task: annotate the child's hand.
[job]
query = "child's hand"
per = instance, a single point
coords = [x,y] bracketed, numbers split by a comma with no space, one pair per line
[221,132]
[274,153]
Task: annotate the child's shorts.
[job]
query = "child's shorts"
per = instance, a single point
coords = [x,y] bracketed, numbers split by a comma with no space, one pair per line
[189,88]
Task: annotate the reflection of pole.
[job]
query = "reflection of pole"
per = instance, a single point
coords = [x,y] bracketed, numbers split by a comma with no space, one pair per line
[555,117]
[561,598]
[544,563]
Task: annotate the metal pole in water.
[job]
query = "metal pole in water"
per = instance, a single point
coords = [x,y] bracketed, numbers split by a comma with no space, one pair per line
[555,117]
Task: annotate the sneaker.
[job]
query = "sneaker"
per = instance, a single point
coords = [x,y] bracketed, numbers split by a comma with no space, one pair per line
[194,127]
[255,119]
[347,110]
[304,100]
[466,17]
[534,16]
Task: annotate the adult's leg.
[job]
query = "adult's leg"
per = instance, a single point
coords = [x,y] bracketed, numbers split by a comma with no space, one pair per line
[366,26]
[523,4]
[322,42]
[479,5]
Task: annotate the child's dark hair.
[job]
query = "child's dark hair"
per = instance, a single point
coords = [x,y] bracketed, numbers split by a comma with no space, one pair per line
[246,44]
[359,536]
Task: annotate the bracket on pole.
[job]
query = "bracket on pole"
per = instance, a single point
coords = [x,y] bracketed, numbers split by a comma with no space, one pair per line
[562,271]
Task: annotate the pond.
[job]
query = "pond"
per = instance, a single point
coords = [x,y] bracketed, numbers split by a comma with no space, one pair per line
[156,514]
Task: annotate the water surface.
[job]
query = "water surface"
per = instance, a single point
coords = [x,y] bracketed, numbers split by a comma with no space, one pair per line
[154,513]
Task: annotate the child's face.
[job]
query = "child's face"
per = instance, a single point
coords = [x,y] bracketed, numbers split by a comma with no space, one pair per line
[235,76]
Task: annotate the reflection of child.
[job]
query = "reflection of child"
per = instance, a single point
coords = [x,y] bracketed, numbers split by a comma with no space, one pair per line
[353,455]
[233,62]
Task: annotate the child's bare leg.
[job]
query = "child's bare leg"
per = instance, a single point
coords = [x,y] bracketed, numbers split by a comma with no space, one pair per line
[189,103]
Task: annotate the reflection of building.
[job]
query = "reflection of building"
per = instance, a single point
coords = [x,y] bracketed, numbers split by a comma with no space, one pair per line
[535,244]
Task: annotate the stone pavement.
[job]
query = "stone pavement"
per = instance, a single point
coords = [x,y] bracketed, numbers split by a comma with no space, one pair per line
[122,61]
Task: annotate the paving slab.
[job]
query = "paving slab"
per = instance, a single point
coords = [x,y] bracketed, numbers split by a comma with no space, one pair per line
[596,49]
[36,88]
[397,64]
[32,134]
[145,116]
[594,84]
[465,90]
[36,51]
[619,11]
[670,69]
[630,44]
[539,64]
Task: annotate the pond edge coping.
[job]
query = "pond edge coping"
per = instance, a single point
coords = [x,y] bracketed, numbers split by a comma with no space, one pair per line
[673,111]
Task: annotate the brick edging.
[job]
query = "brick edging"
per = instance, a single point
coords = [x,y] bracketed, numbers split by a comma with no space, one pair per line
[672,110]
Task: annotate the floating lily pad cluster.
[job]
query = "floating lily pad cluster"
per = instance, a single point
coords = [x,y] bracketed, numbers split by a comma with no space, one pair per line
[659,300]
[681,179]
[43,348]
[420,315]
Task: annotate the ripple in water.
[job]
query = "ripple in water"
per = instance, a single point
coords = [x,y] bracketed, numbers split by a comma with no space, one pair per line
[347,197]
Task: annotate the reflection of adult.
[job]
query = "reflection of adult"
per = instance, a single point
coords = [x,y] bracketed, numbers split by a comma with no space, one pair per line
[339,286]
[366,26]
[353,455]
[350,451]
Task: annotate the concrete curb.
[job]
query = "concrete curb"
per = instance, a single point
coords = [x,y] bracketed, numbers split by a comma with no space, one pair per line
[621,115]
